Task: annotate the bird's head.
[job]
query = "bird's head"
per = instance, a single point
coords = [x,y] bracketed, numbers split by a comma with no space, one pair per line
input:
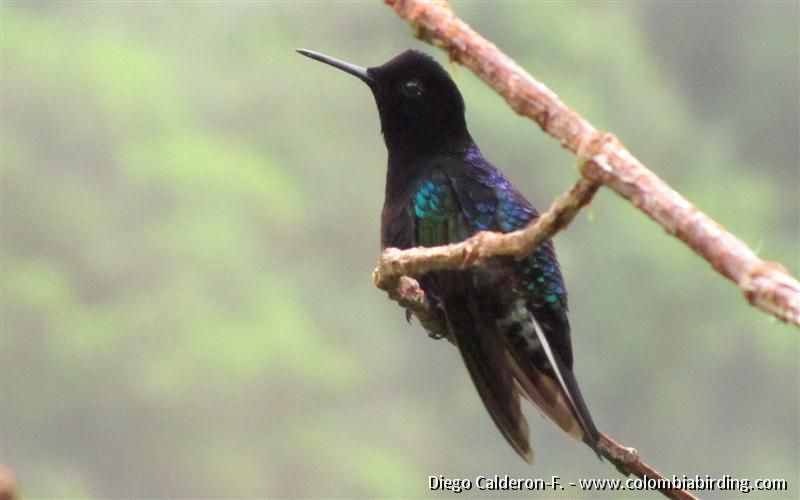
[420,107]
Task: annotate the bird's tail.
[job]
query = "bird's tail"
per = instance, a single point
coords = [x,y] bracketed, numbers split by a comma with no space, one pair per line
[544,377]
[501,369]
[470,319]
[547,395]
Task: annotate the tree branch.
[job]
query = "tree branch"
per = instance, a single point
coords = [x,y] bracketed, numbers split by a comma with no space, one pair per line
[627,461]
[605,161]
[766,285]
[408,294]
[392,275]
[8,484]
[484,245]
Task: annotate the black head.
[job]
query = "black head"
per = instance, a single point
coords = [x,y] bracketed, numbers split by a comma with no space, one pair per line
[420,107]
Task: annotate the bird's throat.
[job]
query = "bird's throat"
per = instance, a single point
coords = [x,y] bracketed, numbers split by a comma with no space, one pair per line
[407,145]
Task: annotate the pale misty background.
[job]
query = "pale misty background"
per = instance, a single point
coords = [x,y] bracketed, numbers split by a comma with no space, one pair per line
[190,218]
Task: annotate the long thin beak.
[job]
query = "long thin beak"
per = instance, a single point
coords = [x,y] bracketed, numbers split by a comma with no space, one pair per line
[354,70]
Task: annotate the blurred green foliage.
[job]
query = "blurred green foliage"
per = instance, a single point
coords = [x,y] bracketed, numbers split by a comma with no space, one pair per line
[189,218]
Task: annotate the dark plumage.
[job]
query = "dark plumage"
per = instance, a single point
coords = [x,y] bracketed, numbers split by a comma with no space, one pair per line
[508,318]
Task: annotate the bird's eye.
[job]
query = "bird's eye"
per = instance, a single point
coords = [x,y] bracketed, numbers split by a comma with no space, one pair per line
[412,88]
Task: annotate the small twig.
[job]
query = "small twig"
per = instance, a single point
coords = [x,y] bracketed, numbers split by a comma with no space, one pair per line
[410,295]
[478,249]
[628,462]
[766,285]
[396,267]
[8,484]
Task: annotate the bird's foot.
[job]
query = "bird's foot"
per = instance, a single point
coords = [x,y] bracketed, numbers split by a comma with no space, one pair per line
[435,336]
[433,304]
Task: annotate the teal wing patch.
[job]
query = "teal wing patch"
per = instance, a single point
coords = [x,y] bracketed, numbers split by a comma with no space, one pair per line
[539,274]
[541,278]
[450,209]
[436,210]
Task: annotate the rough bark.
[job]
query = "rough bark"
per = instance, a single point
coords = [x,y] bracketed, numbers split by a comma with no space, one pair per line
[766,285]
[603,160]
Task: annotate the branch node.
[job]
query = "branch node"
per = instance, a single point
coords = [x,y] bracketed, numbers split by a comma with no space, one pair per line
[764,283]
[603,159]
[617,452]
[591,150]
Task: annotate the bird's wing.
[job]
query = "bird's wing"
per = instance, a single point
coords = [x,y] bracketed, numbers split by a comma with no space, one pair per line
[398,228]
[469,315]
[533,301]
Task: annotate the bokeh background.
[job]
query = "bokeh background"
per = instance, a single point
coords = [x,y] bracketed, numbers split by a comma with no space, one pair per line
[190,218]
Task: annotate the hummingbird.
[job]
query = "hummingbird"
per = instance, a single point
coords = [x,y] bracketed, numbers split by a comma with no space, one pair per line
[508,318]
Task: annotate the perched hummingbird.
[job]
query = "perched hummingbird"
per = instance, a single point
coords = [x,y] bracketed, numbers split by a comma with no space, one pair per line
[509,317]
